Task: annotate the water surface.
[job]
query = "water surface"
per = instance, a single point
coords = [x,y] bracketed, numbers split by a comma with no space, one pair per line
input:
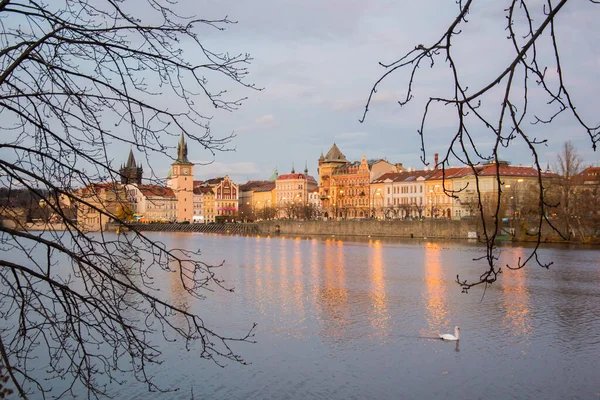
[359,319]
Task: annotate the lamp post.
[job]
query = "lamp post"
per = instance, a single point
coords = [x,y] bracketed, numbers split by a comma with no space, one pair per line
[431,203]
[341,201]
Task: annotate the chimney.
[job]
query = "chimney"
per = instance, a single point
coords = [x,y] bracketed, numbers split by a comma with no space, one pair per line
[435,160]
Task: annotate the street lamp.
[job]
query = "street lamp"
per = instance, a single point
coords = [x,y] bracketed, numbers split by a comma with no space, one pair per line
[341,201]
[431,203]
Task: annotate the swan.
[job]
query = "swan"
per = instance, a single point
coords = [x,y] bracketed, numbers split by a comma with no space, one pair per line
[447,336]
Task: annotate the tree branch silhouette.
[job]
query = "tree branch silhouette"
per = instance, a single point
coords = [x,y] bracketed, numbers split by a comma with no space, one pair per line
[77,79]
[473,110]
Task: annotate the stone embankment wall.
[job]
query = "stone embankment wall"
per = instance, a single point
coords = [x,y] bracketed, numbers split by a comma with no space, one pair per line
[32,226]
[446,229]
[436,229]
[234,229]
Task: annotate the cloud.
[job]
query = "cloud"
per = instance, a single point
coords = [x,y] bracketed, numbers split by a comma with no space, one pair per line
[351,135]
[268,119]
[239,172]
[381,97]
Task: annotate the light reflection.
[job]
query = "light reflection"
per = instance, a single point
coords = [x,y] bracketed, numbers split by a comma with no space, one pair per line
[332,300]
[181,276]
[380,315]
[315,268]
[181,280]
[261,271]
[517,317]
[297,290]
[435,290]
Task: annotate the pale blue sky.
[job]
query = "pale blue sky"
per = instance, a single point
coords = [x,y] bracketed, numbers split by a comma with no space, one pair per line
[317,61]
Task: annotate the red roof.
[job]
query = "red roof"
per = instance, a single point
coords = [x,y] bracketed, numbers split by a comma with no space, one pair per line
[405,176]
[203,190]
[156,191]
[589,175]
[295,176]
[451,173]
[507,170]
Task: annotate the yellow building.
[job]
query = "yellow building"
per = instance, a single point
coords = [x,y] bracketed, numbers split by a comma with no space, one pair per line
[327,191]
[99,204]
[345,187]
[519,186]
[181,181]
[439,187]
[204,204]
[264,199]
[255,197]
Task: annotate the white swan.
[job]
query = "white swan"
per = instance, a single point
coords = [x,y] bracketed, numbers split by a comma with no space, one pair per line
[447,336]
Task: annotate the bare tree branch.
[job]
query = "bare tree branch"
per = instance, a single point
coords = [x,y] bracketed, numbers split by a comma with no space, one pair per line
[77,79]
[514,116]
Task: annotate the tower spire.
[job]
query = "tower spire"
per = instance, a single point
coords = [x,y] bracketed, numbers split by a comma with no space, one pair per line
[130,159]
[182,151]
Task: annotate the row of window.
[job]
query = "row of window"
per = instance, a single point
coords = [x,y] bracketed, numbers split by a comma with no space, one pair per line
[405,200]
[289,187]
[405,189]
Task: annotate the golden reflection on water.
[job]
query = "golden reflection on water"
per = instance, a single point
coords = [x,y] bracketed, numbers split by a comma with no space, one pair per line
[435,290]
[262,269]
[332,295]
[181,279]
[517,305]
[297,290]
[380,315]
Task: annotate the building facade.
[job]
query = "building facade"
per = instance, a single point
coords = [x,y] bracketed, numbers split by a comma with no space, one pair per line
[181,181]
[152,203]
[327,191]
[251,194]
[204,204]
[99,204]
[292,193]
[400,195]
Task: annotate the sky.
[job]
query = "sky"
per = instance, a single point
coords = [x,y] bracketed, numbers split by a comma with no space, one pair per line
[317,61]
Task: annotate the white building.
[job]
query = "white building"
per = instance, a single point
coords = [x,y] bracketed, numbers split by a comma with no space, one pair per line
[152,203]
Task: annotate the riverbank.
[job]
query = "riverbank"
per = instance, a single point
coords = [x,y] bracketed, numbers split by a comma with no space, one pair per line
[442,229]
[419,229]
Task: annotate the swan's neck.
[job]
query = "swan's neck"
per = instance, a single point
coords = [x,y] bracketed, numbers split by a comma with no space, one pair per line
[456,333]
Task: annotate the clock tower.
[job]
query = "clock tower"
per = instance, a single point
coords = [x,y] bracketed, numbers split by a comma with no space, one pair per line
[181,181]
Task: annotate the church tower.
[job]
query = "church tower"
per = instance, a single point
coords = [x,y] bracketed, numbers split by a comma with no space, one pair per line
[130,172]
[181,181]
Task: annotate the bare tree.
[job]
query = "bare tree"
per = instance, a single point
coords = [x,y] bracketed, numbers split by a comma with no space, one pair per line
[77,79]
[502,108]
[568,166]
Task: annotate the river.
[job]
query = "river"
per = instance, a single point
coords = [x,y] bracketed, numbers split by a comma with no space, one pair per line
[358,319]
